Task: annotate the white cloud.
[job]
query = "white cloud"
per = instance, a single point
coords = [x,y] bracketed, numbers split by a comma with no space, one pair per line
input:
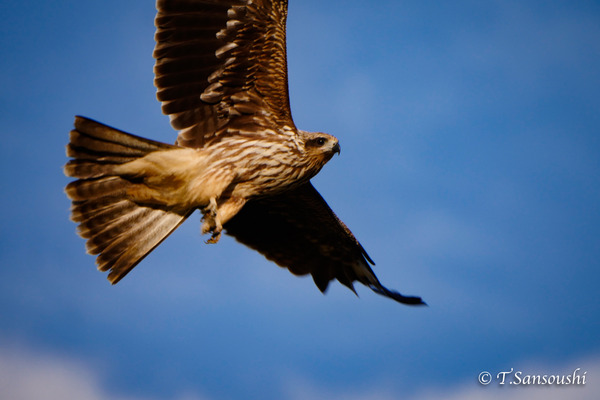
[25,375]
[300,389]
[495,391]
[297,388]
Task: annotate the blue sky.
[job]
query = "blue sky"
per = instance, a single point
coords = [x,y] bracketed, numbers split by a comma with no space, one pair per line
[470,172]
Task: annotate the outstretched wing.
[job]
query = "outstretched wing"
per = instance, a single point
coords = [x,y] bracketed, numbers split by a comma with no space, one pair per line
[221,66]
[298,231]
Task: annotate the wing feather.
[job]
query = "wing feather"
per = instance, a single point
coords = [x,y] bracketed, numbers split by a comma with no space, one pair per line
[298,231]
[219,60]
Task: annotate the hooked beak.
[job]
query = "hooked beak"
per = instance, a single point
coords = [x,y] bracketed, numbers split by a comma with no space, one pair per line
[336,148]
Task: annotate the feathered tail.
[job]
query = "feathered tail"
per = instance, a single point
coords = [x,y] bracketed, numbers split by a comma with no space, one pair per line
[117,229]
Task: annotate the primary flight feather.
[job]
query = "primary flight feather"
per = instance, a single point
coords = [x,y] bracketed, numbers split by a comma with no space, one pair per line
[221,75]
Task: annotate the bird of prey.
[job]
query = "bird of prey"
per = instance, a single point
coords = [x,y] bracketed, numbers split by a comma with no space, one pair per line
[221,75]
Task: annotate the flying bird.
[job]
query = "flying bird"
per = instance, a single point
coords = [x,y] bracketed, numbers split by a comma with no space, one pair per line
[221,75]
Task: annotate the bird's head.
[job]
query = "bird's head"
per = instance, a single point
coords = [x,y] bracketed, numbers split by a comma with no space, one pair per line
[319,147]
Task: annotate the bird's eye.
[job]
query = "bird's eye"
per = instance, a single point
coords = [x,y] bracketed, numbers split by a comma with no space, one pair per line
[321,141]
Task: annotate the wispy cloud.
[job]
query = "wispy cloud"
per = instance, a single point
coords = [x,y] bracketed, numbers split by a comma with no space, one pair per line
[495,391]
[27,375]
[298,388]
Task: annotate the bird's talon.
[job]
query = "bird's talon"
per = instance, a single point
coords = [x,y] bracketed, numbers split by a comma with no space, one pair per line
[214,238]
[211,222]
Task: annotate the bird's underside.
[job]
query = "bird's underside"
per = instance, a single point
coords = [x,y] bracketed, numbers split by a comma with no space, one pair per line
[222,78]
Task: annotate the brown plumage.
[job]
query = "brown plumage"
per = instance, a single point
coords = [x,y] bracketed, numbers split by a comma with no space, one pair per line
[221,76]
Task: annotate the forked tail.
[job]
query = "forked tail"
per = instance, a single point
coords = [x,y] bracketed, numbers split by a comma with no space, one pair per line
[120,231]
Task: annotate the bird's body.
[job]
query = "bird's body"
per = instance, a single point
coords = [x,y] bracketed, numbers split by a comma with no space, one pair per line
[239,158]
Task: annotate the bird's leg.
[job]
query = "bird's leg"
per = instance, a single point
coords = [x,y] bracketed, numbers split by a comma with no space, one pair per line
[211,221]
